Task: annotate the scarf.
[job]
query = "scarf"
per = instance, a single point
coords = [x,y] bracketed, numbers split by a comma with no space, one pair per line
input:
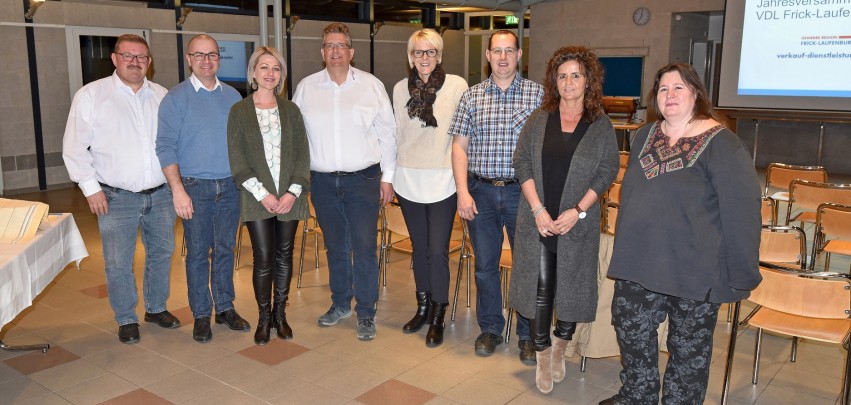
[423,95]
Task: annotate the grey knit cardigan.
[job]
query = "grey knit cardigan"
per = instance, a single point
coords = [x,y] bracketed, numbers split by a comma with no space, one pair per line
[247,158]
[594,166]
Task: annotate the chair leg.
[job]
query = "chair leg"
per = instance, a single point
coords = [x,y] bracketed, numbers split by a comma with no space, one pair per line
[845,398]
[731,349]
[756,353]
[582,364]
[508,325]
[794,349]
[461,259]
[301,257]
[504,277]
[827,261]
[729,312]
[238,245]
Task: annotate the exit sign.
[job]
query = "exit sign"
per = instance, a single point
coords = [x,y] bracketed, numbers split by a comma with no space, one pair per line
[511,20]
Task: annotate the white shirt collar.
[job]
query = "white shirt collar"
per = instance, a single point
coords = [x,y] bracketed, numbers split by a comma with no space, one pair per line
[198,85]
[120,84]
[326,78]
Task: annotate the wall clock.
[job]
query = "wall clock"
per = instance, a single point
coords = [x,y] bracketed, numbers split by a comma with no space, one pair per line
[641,16]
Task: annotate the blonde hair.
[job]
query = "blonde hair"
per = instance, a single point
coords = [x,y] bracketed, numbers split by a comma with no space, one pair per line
[428,36]
[252,64]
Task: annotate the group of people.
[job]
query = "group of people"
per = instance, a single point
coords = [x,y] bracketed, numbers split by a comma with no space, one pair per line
[505,153]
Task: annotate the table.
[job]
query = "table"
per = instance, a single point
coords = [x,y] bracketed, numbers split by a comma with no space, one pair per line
[27,268]
[597,339]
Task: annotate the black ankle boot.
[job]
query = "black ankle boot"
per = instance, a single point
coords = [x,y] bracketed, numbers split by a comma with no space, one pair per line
[282,328]
[264,324]
[421,317]
[434,337]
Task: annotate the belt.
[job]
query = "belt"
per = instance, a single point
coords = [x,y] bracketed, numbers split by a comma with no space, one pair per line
[145,191]
[499,182]
[341,174]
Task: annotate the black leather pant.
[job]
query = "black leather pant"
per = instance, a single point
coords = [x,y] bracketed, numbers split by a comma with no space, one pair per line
[272,243]
[547,281]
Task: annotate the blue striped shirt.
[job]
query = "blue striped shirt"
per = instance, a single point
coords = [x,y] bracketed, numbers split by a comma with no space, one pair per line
[492,118]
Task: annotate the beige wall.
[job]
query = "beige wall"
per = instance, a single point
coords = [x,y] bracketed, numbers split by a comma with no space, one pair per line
[17,140]
[606,26]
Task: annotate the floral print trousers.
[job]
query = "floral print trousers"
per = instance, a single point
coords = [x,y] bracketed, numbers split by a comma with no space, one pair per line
[636,314]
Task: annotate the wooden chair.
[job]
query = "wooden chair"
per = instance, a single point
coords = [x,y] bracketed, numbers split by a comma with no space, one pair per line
[624,158]
[464,260]
[621,173]
[310,226]
[808,195]
[799,305]
[779,175]
[832,220]
[393,222]
[610,217]
[505,263]
[768,211]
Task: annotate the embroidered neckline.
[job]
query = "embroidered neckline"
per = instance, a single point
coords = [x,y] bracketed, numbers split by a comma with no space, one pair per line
[659,157]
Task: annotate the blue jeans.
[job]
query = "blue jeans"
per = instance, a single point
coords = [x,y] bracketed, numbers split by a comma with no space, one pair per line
[213,227]
[497,208]
[347,211]
[119,228]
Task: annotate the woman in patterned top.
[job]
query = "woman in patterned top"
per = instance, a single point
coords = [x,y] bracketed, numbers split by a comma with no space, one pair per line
[270,162]
[687,240]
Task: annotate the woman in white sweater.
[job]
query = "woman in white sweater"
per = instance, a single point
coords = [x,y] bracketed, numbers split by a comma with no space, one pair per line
[423,104]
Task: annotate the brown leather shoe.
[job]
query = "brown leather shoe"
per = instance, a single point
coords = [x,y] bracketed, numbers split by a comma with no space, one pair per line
[164,319]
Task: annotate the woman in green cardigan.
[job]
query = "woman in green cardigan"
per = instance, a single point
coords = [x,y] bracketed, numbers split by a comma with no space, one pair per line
[270,162]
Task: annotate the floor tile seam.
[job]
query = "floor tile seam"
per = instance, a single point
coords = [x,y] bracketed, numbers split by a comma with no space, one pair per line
[229,385]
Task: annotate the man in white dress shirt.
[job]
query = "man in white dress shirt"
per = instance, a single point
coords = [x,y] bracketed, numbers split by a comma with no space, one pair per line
[109,151]
[351,131]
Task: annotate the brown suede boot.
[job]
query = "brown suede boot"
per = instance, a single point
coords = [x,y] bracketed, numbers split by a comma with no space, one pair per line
[544,371]
[559,346]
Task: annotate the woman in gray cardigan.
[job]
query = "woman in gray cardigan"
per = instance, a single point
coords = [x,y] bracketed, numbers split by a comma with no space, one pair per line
[270,162]
[565,159]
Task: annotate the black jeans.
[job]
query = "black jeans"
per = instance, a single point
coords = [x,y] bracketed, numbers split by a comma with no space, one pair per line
[430,227]
[272,243]
[544,300]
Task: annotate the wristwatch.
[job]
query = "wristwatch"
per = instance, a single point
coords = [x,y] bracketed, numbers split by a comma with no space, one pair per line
[582,213]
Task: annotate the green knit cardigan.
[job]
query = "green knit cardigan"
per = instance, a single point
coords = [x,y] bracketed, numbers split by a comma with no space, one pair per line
[247,158]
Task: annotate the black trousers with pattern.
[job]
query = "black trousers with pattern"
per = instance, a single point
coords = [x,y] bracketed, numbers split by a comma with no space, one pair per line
[636,314]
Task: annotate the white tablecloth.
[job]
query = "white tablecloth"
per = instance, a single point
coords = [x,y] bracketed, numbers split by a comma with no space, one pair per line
[27,268]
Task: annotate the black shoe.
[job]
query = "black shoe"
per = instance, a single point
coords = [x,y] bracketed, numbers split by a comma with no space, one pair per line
[201,332]
[422,316]
[616,399]
[527,352]
[486,344]
[434,337]
[128,333]
[164,319]
[264,325]
[232,320]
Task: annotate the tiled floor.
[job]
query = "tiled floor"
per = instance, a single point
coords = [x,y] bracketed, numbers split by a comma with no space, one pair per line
[86,363]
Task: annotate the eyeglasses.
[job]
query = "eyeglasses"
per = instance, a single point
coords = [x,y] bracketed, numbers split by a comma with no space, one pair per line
[499,51]
[329,46]
[128,57]
[418,53]
[198,56]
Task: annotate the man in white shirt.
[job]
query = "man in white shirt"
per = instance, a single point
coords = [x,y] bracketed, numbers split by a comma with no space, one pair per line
[351,131]
[109,151]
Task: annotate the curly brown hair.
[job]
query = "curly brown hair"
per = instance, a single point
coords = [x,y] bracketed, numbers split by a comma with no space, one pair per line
[593,71]
[702,105]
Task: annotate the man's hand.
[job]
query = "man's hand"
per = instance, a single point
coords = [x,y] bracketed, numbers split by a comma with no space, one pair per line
[285,203]
[467,206]
[386,192]
[182,203]
[97,203]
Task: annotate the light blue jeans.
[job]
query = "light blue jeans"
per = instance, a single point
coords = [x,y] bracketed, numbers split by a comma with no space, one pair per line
[154,214]
[212,228]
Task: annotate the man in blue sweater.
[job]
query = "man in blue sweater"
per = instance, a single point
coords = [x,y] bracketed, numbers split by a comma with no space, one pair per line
[193,152]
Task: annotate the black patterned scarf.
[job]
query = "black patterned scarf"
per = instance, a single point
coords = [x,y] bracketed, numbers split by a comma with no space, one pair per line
[423,95]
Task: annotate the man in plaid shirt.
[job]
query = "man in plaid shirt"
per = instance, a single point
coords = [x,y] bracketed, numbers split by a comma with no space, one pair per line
[485,129]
